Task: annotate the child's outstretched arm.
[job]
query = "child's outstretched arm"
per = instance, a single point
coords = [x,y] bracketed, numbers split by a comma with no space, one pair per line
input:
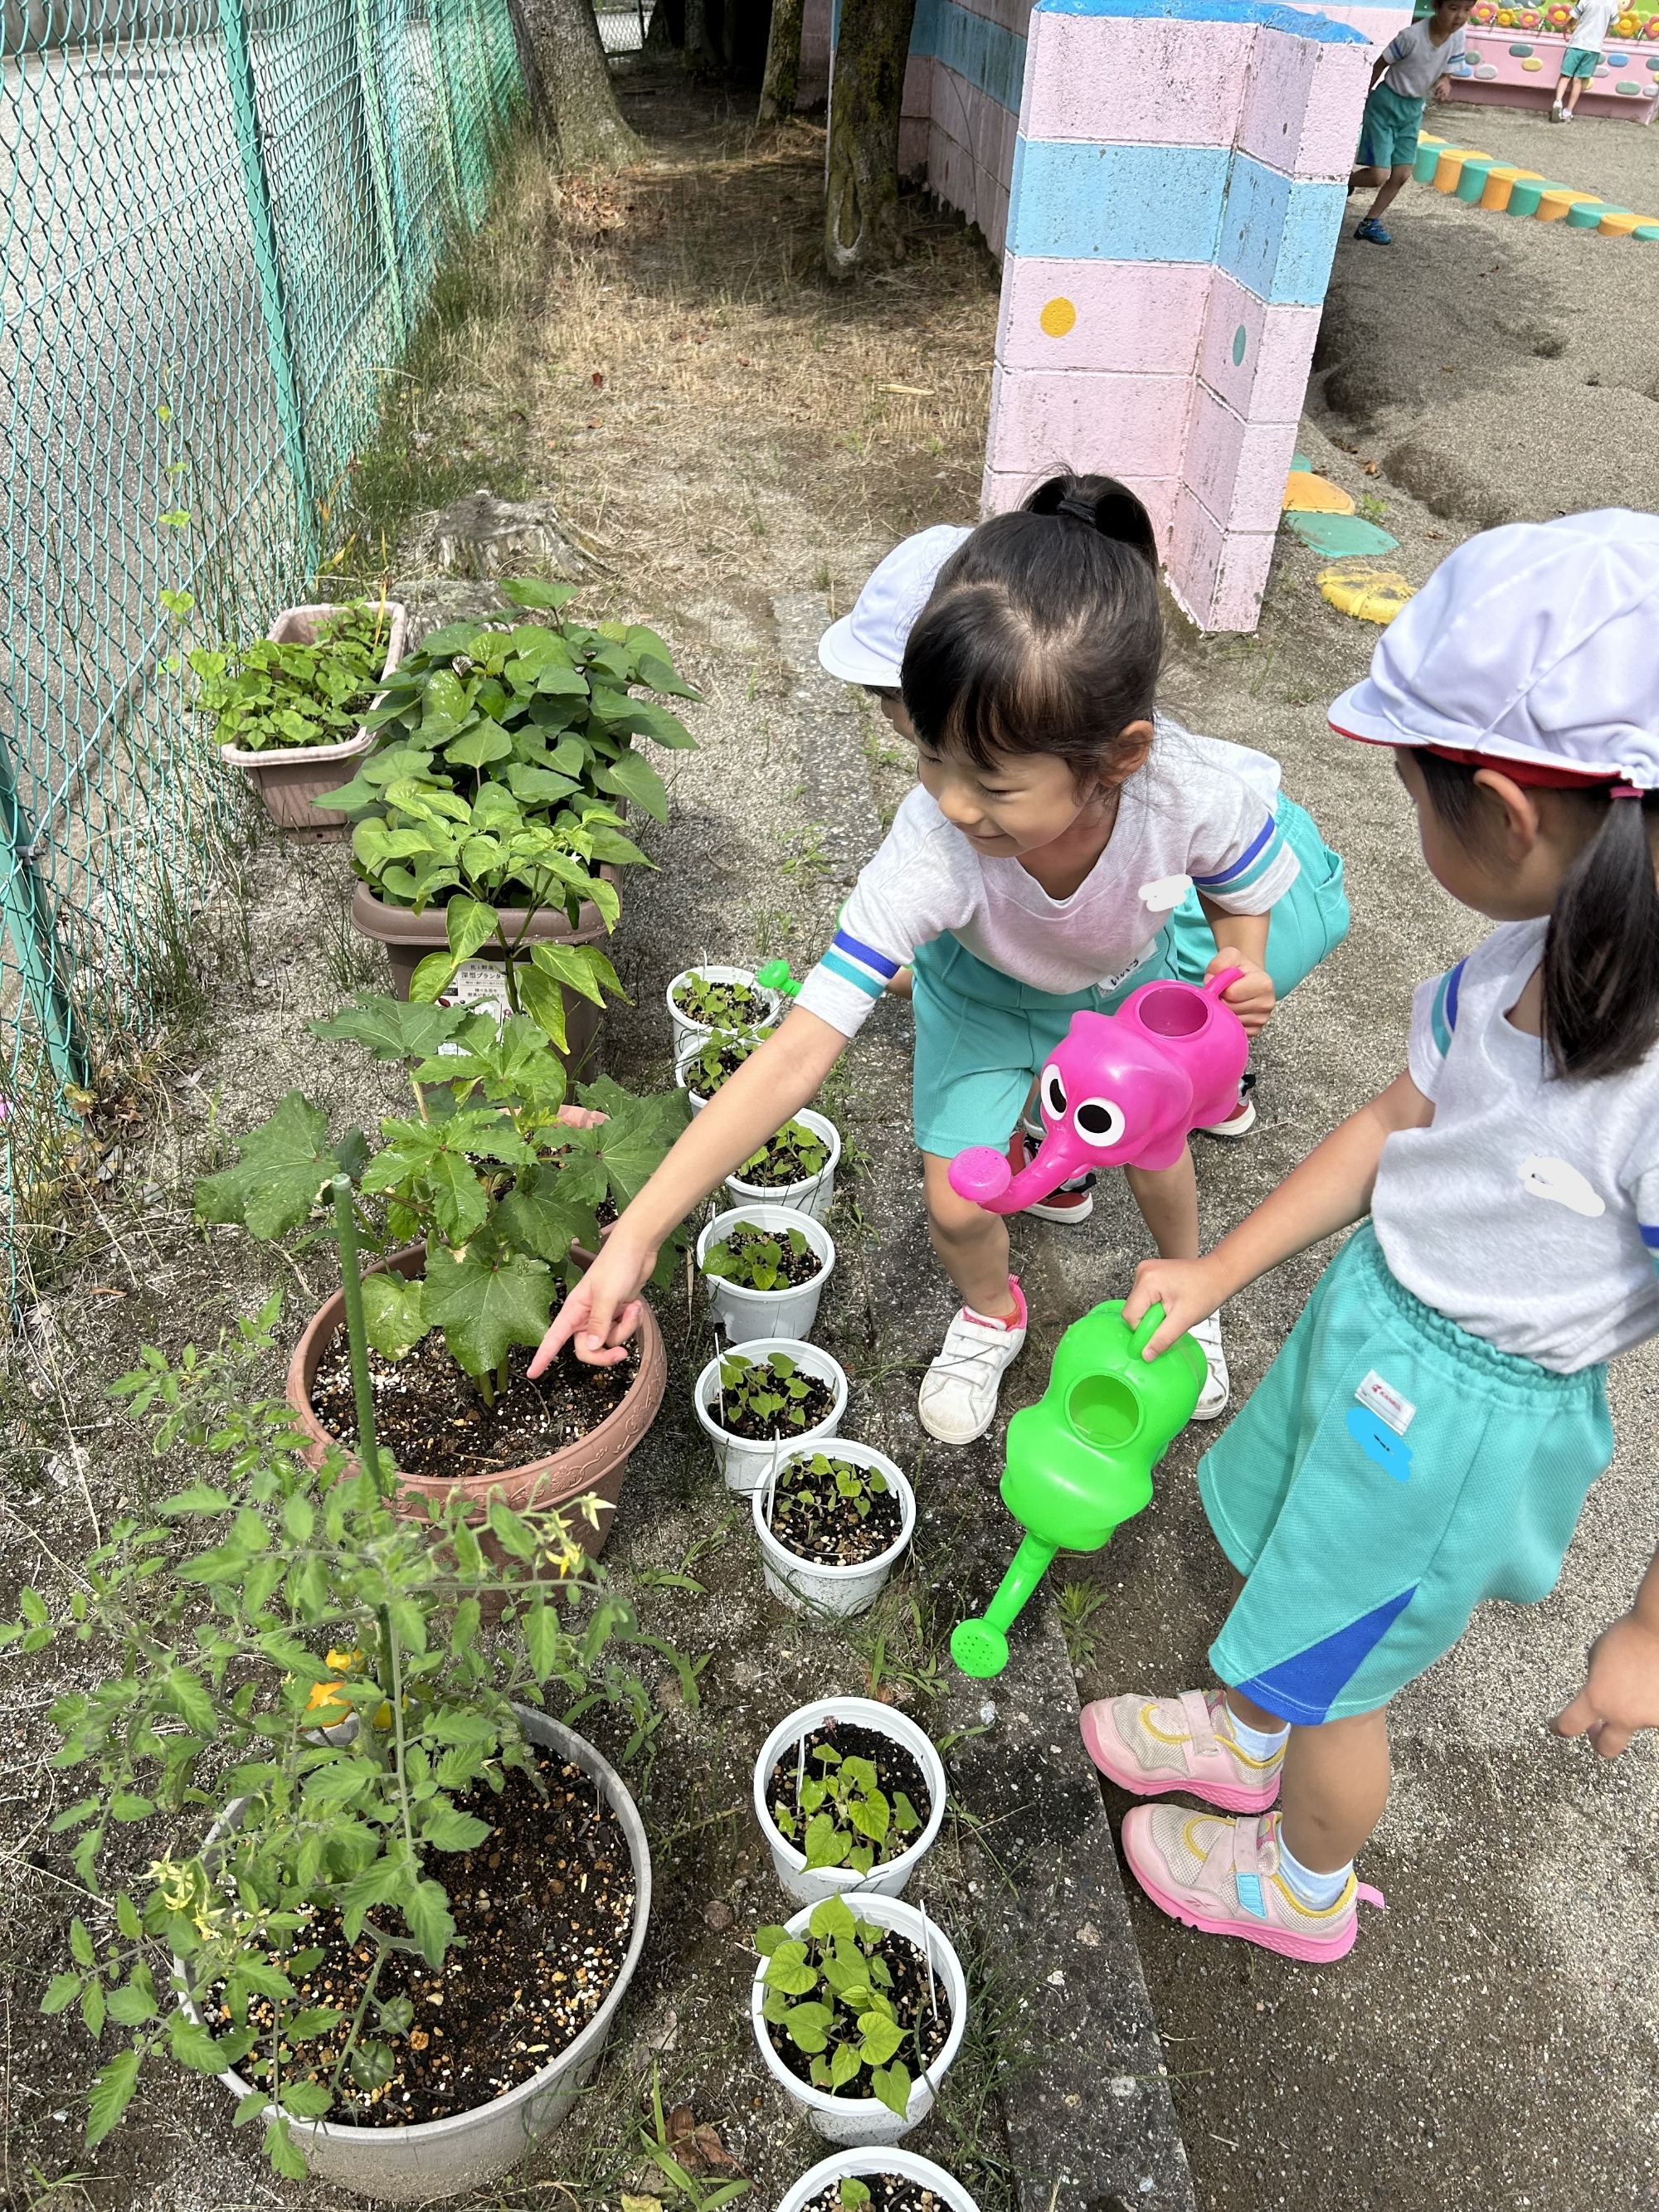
[1621,1683]
[1331,1188]
[773,1084]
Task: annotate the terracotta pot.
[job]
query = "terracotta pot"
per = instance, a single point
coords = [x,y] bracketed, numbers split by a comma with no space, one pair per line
[598,1464]
[288,778]
[408,938]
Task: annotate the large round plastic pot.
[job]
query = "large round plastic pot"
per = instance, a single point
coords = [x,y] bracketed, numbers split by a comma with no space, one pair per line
[860,2120]
[789,1863]
[288,777]
[597,1464]
[806,1587]
[747,1465]
[687,1031]
[409,937]
[814,1194]
[747,1314]
[860,2165]
[440,2157]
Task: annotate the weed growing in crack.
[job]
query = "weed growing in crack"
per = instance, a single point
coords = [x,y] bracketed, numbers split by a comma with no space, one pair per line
[1078,1604]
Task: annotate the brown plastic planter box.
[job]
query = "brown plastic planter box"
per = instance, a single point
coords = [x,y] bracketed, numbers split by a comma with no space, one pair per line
[288,777]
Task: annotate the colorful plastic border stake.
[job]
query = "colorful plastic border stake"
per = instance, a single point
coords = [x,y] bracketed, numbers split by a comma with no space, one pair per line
[1500,181]
[1587,215]
[1339,537]
[1526,192]
[1428,158]
[1301,461]
[1648,230]
[1449,167]
[1472,177]
[1619,223]
[1307,494]
[1553,205]
[1372,595]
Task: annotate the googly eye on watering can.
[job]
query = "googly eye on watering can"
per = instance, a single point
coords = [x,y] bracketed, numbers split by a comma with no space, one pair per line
[1167,1060]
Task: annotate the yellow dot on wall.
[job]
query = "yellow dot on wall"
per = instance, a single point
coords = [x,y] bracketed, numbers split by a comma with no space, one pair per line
[1531,65]
[1057,317]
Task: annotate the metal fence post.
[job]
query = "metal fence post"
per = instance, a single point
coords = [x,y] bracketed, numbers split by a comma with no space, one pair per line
[26,906]
[273,291]
[379,157]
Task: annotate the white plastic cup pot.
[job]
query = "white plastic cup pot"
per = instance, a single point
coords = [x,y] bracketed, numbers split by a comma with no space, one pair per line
[814,1194]
[688,1031]
[682,1058]
[747,1463]
[807,1585]
[856,2121]
[747,1314]
[860,2165]
[892,1877]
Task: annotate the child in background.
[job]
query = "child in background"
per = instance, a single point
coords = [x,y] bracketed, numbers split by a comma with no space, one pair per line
[1409,71]
[1033,874]
[1426,1438]
[1586,42]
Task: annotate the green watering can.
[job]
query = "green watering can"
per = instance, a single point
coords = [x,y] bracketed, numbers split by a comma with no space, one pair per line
[1081,1461]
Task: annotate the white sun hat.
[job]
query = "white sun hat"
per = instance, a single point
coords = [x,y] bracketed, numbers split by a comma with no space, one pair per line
[867,646]
[1536,645]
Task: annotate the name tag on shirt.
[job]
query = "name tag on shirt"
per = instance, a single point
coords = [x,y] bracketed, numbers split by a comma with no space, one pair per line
[1385,1402]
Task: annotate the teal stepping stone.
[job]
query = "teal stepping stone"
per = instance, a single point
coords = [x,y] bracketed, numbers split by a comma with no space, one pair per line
[1301,461]
[1648,230]
[1526,192]
[1472,178]
[1586,215]
[1337,536]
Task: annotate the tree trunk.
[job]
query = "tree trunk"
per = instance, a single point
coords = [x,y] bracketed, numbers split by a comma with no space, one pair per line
[582,102]
[782,77]
[860,224]
[667,31]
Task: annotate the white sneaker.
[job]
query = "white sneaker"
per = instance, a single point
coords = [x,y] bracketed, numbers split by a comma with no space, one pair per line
[1213,1397]
[1241,1122]
[958,1401]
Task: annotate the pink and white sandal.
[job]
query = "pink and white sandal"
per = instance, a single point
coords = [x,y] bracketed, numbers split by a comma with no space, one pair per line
[1222,1877]
[1152,1747]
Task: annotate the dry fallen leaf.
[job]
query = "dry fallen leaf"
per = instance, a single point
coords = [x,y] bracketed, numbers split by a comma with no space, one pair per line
[1371,468]
[909,391]
[641,2203]
[696,2145]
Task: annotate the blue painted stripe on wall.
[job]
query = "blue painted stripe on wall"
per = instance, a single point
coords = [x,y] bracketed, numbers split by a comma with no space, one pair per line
[1085,203]
[1275,17]
[988,56]
[1277,237]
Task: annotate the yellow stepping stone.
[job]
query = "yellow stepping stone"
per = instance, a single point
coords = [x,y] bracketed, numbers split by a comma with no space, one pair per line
[1552,206]
[1620,225]
[1495,194]
[1372,595]
[1450,168]
[1307,494]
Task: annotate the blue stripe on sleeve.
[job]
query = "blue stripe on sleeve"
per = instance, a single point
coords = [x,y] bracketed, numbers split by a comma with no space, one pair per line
[849,974]
[867,954]
[1649,1237]
[1264,837]
[1454,982]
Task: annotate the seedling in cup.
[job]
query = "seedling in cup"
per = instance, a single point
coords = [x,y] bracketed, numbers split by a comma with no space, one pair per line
[842,1817]
[831,1995]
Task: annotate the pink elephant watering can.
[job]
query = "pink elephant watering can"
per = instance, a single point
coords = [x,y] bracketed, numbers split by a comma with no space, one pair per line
[1122,1090]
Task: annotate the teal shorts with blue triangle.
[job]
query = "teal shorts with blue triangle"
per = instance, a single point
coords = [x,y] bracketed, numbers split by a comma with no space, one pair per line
[1389,1473]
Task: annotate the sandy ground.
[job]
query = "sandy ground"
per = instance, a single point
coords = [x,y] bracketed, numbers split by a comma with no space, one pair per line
[1505,369]
[1491,2042]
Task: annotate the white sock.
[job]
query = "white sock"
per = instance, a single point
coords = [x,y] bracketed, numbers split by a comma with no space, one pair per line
[1256,1743]
[1318,1892]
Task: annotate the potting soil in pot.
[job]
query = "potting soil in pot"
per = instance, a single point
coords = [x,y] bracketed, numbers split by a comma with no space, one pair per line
[926,2035]
[431,1417]
[794,1155]
[544,1907]
[783,1254]
[896,1769]
[889,2193]
[721,1006]
[812,1518]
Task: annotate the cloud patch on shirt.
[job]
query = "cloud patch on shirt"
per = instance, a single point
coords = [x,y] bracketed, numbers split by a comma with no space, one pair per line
[1545,1177]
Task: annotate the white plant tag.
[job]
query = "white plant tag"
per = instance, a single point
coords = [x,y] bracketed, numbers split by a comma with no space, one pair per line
[480,985]
[1385,1402]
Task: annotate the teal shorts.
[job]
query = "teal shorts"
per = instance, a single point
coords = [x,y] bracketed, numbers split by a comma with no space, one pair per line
[1580,61]
[1387,136]
[982,1038]
[1389,1472]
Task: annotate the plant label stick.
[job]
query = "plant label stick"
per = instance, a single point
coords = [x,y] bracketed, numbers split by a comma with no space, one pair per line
[927,1959]
[800,1775]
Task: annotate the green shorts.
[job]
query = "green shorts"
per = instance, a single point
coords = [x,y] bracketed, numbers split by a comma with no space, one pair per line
[982,1038]
[1580,61]
[1389,1473]
[1387,136]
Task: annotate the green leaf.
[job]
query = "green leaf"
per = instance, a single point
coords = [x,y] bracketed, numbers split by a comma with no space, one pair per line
[486,741]
[513,1534]
[317,2020]
[112,2089]
[881,2037]
[808,2026]
[281,2150]
[447,1829]
[281,1167]
[426,1908]
[787,1969]
[825,1844]
[188,1696]
[769,1936]
[544,1639]
[61,1992]
[92,2008]
[486,1301]
[581,967]
[131,2007]
[249,2107]
[306,2100]
[634,775]
[543,1000]
[394,1311]
[81,1942]
[542,1214]
[393,1028]
[833,1917]
[432,978]
[843,2067]
[533,591]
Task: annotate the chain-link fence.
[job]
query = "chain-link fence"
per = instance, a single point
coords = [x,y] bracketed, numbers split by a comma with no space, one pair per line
[221,219]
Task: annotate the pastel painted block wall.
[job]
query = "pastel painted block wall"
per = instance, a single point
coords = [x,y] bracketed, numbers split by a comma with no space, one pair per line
[1177,187]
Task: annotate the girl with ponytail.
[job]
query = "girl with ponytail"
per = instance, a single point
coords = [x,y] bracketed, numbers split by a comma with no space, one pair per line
[1065,844]
[1427,1436]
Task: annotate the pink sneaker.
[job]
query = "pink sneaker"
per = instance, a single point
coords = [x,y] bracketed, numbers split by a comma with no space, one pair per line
[1222,1877]
[1152,1745]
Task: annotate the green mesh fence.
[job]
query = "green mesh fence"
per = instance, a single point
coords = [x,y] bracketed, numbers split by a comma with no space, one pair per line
[220,220]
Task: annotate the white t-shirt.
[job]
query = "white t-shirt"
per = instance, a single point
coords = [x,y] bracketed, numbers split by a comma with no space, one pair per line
[1198,813]
[1527,1212]
[1416,64]
[1589,24]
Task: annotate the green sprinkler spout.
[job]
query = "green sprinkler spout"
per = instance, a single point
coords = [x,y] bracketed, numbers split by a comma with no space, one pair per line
[1081,1461]
[777,975]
